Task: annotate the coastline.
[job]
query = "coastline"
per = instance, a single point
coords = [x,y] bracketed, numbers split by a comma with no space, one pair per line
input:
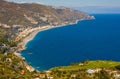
[36,30]
[31,34]
[28,37]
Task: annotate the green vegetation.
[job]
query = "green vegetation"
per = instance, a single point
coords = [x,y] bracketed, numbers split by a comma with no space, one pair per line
[13,67]
[26,16]
[81,74]
[8,43]
[89,64]
[117,67]
[88,70]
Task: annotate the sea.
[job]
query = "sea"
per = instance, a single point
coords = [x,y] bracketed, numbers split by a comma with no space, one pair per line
[97,39]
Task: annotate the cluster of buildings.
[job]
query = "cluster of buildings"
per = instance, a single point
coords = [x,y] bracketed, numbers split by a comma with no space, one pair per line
[114,73]
[4,25]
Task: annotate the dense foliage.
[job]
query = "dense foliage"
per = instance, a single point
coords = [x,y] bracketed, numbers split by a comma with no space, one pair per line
[13,67]
[88,70]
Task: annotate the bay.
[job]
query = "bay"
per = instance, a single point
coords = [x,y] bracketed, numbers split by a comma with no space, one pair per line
[97,39]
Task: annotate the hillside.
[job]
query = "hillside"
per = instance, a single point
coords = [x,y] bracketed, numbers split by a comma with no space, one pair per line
[37,14]
[15,18]
[17,21]
[13,67]
[88,70]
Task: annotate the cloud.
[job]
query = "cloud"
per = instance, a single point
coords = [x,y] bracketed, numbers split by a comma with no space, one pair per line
[25,1]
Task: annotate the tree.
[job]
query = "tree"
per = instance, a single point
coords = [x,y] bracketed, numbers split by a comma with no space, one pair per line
[104,75]
[117,67]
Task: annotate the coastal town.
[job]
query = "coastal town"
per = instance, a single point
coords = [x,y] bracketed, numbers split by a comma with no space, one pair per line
[19,23]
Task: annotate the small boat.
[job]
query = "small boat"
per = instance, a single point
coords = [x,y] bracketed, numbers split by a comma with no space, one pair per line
[29,53]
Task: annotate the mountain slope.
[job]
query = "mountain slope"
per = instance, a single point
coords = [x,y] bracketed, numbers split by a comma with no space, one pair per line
[27,14]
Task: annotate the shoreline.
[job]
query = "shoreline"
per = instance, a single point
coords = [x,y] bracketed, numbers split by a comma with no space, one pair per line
[32,33]
[36,30]
[30,36]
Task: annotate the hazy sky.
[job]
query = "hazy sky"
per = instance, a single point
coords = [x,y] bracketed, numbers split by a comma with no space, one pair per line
[76,3]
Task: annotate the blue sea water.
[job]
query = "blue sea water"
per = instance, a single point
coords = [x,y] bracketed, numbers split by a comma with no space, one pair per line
[97,39]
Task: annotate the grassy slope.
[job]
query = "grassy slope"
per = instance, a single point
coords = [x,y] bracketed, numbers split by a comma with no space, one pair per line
[89,64]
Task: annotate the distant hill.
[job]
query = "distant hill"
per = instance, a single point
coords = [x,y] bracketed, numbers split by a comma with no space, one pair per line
[98,9]
[37,14]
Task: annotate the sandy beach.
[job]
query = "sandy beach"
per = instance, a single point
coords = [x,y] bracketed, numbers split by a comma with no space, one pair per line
[32,33]
[28,35]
